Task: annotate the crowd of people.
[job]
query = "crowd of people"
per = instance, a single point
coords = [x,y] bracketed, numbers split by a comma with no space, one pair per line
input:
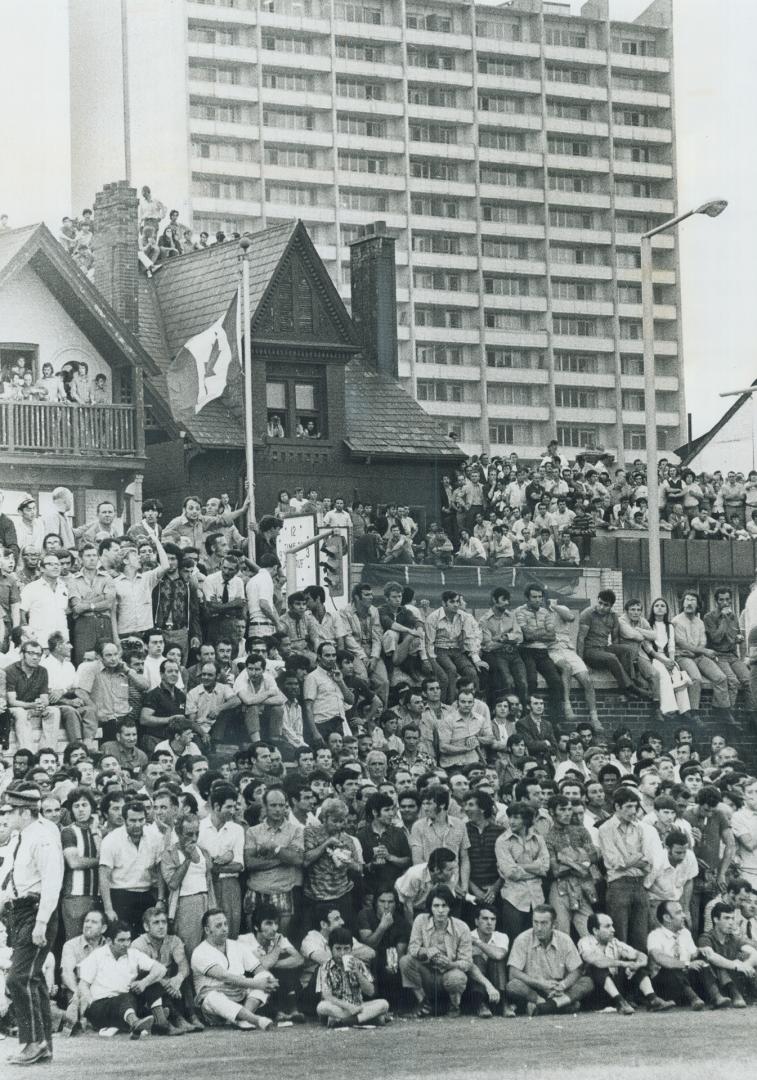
[225,804]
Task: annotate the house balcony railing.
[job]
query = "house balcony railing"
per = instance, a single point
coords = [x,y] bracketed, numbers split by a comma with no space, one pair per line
[42,427]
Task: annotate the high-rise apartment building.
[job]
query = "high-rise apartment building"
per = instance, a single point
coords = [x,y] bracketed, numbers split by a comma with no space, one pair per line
[515,151]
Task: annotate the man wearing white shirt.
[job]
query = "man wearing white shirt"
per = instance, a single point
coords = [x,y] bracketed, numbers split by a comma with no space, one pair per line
[261,613]
[44,602]
[224,595]
[681,972]
[79,720]
[222,840]
[744,826]
[338,517]
[110,985]
[156,644]
[223,990]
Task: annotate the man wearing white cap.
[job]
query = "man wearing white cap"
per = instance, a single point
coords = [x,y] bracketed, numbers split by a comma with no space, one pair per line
[34,886]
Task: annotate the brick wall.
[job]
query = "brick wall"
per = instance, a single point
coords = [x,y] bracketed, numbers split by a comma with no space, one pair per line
[115,249]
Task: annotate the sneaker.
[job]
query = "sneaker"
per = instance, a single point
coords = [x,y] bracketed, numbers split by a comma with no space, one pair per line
[658,1004]
[624,1007]
[484,1012]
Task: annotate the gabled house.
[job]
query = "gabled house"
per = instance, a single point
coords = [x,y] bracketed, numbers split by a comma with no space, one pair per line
[314,369]
[51,314]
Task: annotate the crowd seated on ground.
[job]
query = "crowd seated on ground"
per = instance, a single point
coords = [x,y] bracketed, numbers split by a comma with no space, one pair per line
[342,816]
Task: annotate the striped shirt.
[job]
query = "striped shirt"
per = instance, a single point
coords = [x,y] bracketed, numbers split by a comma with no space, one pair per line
[79,882]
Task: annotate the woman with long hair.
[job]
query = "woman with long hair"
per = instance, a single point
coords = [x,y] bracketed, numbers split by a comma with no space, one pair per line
[674,696]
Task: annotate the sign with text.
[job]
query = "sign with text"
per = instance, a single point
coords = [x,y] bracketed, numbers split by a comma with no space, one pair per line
[296,530]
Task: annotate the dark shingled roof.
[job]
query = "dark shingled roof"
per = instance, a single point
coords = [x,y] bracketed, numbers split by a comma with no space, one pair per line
[190,292]
[383,419]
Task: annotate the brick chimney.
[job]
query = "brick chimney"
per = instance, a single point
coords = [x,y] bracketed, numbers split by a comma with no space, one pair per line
[116,249]
[373,281]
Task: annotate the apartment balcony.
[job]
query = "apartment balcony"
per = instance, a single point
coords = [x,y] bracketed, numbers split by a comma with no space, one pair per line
[446,298]
[645,99]
[457,409]
[668,383]
[518,413]
[215,91]
[391,72]
[239,54]
[512,84]
[370,144]
[525,375]
[457,40]
[662,312]
[490,155]
[562,125]
[204,204]
[427,223]
[583,344]
[598,415]
[296,99]
[511,121]
[308,213]
[223,129]
[573,163]
[296,174]
[516,339]
[575,92]
[643,170]
[514,303]
[582,307]
[463,80]
[270,20]
[223,15]
[593,199]
[566,55]
[603,380]
[439,114]
[366,32]
[513,230]
[639,204]
[247,170]
[513,266]
[580,236]
[659,277]
[299,62]
[447,335]
[443,151]
[381,109]
[96,433]
[580,271]
[635,347]
[664,419]
[657,64]
[627,133]
[434,260]
[449,188]
[292,137]
[377,181]
[500,47]
[449,372]
[394,218]
[512,194]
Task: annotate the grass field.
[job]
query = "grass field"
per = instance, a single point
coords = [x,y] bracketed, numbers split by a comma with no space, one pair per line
[673,1046]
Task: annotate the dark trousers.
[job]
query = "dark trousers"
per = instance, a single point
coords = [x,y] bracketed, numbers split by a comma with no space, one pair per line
[623,985]
[628,907]
[514,921]
[539,662]
[110,1012]
[680,986]
[26,984]
[130,907]
[617,659]
[454,663]
[507,672]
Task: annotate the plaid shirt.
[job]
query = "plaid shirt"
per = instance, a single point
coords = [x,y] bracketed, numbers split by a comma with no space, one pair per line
[344,985]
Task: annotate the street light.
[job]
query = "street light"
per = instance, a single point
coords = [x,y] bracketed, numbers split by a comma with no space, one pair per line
[710,209]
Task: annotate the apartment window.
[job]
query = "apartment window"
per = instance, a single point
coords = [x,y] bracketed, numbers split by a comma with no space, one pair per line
[500,433]
[437,243]
[299,404]
[360,125]
[436,96]
[561,182]
[221,112]
[632,118]
[577,437]
[632,400]
[444,355]
[632,365]
[351,50]
[500,104]
[506,286]
[634,439]
[287,80]
[567,111]
[641,154]
[576,363]
[575,397]
[499,29]
[559,74]
[429,58]
[437,279]
[568,256]
[635,46]
[639,189]
[436,390]
[209,35]
[508,394]
[288,43]
[361,163]
[569,39]
[433,169]
[434,207]
[290,119]
[630,329]
[570,147]
[215,150]
[496,139]
[569,219]
[220,187]
[449,318]
[277,155]
[629,294]
[511,358]
[629,82]
[574,290]
[507,320]
[422,20]
[628,260]
[432,133]
[363,91]
[295,194]
[511,69]
[567,326]
[362,200]
[298,8]
[358,13]
[504,249]
[504,213]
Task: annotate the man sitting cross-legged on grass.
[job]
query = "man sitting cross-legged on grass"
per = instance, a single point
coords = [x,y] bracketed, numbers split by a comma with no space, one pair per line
[345,983]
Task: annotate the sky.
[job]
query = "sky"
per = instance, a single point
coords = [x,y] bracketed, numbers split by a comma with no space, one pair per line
[715,79]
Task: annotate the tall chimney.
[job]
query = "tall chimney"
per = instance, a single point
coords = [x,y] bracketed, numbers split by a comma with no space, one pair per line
[116,249]
[373,281]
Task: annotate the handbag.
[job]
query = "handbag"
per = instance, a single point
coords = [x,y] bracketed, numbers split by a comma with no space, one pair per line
[680,678]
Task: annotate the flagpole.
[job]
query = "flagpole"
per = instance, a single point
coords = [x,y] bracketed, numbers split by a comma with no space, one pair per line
[245,243]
